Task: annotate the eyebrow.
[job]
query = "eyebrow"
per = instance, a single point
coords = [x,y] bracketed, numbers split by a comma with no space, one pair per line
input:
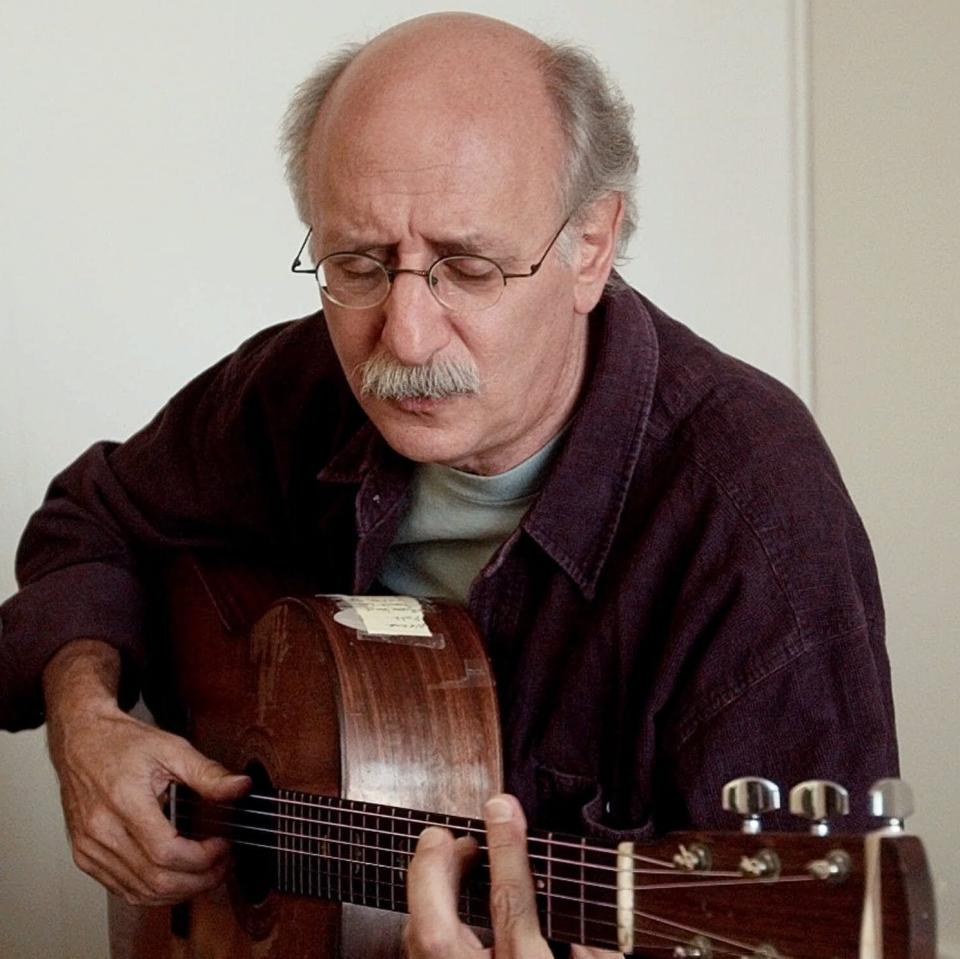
[466,244]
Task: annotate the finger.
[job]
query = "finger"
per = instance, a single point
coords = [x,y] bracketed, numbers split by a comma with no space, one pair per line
[433,885]
[433,880]
[202,774]
[590,952]
[155,834]
[142,883]
[513,907]
[110,869]
[161,845]
[152,876]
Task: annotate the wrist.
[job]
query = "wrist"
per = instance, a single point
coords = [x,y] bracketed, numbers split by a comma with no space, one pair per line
[83,675]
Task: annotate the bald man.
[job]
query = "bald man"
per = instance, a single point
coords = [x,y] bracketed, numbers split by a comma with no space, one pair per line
[671,581]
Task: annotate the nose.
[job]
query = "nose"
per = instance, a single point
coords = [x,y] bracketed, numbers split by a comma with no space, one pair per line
[415,326]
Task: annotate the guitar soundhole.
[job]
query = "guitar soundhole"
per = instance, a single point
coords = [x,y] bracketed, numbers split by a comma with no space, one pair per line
[255,842]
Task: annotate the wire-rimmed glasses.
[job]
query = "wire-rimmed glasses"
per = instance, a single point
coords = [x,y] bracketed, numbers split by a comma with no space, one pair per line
[461,282]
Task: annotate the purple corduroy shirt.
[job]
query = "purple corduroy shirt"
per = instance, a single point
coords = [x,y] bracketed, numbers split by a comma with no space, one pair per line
[691,598]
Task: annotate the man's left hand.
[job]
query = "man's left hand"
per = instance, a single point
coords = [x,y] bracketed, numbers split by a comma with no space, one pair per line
[433,886]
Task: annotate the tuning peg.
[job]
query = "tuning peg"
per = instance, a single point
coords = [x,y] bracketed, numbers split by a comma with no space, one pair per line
[891,799]
[751,797]
[818,800]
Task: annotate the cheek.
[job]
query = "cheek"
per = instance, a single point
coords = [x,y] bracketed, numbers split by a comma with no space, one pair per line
[354,338]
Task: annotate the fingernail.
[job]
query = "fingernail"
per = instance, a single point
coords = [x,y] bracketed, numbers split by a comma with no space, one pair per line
[498,810]
[430,837]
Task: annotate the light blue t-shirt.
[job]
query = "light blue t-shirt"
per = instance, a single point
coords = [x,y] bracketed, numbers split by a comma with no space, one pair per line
[456,522]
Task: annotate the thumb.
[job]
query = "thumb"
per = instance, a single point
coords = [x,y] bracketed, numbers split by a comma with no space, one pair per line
[206,776]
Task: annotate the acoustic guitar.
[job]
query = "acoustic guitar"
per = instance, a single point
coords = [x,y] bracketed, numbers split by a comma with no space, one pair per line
[362,720]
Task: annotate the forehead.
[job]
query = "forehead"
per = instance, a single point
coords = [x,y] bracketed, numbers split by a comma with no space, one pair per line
[455,156]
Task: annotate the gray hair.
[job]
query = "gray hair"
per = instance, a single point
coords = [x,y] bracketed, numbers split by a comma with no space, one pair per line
[594,117]
[386,378]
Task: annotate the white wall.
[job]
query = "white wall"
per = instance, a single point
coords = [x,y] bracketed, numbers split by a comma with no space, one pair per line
[146,230]
[886,241]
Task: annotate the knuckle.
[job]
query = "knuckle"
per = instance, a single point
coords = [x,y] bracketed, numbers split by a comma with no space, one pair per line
[508,904]
[81,857]
[161,853]
[117,794]
[419,941]
[161,883]
[177,742]
[97,823]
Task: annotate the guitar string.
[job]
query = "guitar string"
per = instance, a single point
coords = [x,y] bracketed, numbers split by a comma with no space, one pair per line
[576,917]
[698,878]
[464,822]
[322,840]
[473,831]
[463,825]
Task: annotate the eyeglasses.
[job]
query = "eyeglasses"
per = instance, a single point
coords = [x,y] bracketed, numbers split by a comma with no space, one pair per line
[359,281]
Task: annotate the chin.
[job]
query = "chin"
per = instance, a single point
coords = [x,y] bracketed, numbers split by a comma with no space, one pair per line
[425,449]
[421,437]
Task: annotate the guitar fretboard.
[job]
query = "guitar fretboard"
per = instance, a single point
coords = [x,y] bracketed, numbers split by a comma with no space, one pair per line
[358,852]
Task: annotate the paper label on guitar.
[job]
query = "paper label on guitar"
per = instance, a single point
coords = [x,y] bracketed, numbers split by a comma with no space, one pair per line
[383,615]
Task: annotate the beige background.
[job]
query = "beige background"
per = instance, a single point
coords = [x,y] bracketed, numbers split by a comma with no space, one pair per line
[799,202]
[885,136]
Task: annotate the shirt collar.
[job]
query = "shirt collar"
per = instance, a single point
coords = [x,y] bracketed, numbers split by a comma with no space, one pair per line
[364,451]
[577,513]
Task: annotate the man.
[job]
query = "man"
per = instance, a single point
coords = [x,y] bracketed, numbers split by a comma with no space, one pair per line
[671,581]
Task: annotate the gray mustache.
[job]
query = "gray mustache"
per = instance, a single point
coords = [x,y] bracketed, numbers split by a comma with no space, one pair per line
[384,377]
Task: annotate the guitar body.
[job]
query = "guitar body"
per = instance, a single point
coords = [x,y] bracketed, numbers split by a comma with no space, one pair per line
[318,705]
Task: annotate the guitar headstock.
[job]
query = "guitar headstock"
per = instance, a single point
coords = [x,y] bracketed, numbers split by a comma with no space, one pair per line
[819,895]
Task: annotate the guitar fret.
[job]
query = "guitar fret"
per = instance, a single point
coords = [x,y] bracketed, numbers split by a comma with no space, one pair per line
[326,879]
[298,827]
[362,856]
[283,857]
[291,845]
[466,910]
[337,834]
[294,857]
[391,854]
[316,843]
[549,886]
[305,864]
[358,852]
[583,925]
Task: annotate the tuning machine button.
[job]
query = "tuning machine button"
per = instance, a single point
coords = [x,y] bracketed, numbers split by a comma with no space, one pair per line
[819,800]
[891,799]
[750,797]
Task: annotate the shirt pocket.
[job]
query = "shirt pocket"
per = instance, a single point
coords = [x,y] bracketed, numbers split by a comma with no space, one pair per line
[576,804]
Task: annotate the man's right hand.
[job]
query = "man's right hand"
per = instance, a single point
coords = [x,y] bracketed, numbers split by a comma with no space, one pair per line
[113,770]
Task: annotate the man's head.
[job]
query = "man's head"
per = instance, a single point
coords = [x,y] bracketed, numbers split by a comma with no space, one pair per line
[456,134]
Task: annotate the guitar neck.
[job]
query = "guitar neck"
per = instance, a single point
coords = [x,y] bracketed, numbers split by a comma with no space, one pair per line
[358,852]
[690,894]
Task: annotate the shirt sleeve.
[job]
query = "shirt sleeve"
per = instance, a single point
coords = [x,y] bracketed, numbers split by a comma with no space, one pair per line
[824,713]
[214,469]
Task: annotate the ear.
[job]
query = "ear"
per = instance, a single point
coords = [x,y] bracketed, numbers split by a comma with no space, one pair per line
[595,250]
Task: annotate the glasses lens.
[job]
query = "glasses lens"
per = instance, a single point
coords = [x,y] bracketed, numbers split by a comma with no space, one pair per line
[352,279]
[467,282]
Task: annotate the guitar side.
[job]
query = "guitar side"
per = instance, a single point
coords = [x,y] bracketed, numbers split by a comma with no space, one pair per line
[322,709]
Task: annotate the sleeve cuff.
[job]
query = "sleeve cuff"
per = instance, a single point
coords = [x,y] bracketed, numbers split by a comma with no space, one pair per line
[87,601]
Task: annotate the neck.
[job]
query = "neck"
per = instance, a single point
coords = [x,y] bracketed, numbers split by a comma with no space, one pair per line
[358,852]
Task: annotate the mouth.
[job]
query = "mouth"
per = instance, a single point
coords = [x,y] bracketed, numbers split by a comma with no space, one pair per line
[420,404]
